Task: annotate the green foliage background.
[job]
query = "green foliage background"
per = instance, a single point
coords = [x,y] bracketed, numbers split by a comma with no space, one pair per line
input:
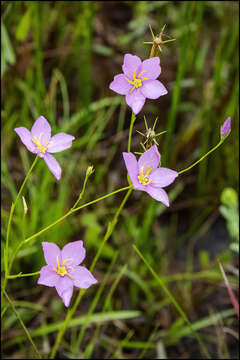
[58,59]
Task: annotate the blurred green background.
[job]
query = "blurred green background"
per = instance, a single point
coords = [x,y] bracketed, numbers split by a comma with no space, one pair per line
[58,59]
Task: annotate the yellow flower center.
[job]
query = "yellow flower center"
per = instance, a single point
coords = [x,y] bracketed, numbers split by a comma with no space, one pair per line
[136,82]
[143,176]
[40,147]
[62,270]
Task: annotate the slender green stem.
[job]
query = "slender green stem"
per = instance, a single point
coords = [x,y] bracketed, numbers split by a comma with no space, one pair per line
[71,311]
[23,275]
[172,299]
[103,197]
[71,211]
[21,322]
[88,173]
[10,222]
[203,157]
[133,118]
[12,210]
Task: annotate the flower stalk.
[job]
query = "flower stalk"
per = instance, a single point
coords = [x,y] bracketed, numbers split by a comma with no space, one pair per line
[10,222]
[202,158]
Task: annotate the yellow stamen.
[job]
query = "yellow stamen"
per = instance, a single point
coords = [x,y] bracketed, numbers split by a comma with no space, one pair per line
[141,73]
[62,270]
[66,260]
[143,177]
[136,82]
[40,147]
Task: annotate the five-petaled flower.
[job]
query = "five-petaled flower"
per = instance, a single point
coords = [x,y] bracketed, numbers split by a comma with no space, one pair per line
[40,142]
[138,81]
[63,270]
[146,176]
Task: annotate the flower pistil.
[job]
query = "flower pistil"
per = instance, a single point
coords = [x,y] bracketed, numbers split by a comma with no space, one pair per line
[62,270]
[143,177]
[136,82]
[40,147]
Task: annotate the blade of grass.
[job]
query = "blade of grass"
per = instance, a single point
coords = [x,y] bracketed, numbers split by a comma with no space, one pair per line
[93,305]
[94,319]
[173,337]
[24,327]
[90,347]
[174,302]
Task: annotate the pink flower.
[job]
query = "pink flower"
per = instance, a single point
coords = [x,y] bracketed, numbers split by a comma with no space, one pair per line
[40,142]
[63,270]
[226,127]
[146,176]
[138,81]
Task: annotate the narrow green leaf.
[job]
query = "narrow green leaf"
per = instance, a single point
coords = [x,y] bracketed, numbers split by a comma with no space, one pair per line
[24,25]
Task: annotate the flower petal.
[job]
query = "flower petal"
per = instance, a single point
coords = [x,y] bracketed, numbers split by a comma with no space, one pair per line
[51,251]
[151,68]
[130,63]
[48,276]
[43,128]
[120,85]
[152,89]
[151,158]
[64,289]
[53,165]
[135,100]
[25,136]
[163,177]
[60,142]
[158,194]
[82,277]
[132,168]
[74,251]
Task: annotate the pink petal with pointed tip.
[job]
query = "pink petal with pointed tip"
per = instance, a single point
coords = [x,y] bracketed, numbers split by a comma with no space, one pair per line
[53,165]
[120,85]
[60,142]
[51,251]
[158,194]
[64,289]
[82,277]
[151,68]
[41,126]
[135,100]
[162,177]
[74,251]
[130,63]
[132,167]
[48,276]
[25,136]
[152,89]
[150,157]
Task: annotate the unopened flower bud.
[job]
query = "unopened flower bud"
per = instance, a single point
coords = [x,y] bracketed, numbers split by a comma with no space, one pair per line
[226,128]
[89,171]
[25,208]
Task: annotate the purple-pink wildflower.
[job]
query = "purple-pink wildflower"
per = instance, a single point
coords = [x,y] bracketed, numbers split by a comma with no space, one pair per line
[63,270]
[138,81]
[40,142]
[146,176]
[226,127]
